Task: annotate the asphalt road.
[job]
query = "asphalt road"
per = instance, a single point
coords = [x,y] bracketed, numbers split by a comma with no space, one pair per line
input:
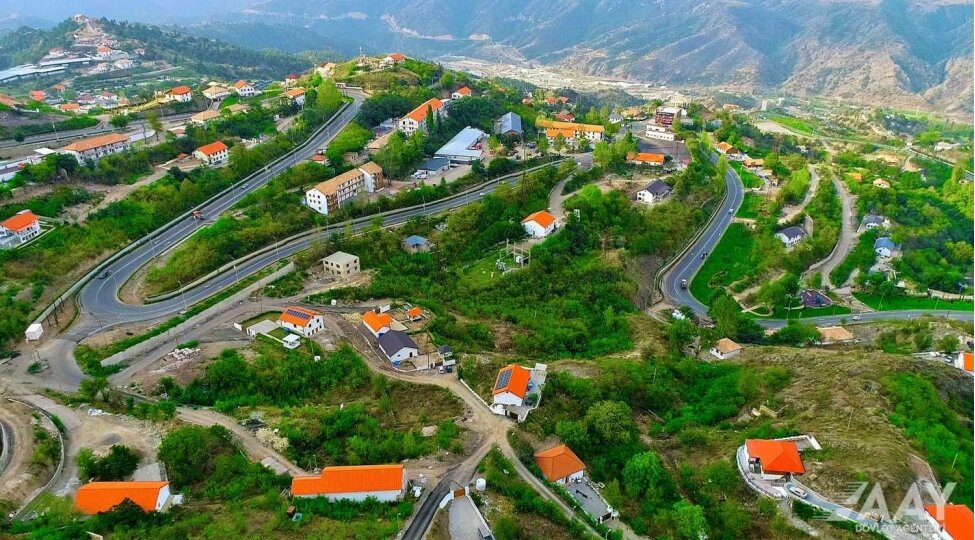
[99,298]
[98,129]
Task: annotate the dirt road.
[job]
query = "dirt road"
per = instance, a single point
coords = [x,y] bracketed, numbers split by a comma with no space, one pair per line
[848,235]
[793,211]
[16,478]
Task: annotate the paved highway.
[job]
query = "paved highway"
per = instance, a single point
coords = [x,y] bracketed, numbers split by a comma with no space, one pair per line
[692,260]
[99,298]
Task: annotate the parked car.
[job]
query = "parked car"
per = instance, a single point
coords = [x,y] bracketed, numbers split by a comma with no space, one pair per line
[798,492]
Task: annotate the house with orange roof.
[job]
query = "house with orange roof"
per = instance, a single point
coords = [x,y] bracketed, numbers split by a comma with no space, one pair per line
[539,225]
[461,93]
[385,483]
[645,158]
[725,348]
[19,228]
[9,101]
[97,497]
[291,79]
[70,107]
[214,153]
[951,521]
[95,148]
[965,361]
[392,58]
[181,94]
[417,118]
[727,150]
[295,95]
[326,69]
[37,95]
[560,464]
[299,320]
[511,386]
[773,459]
[414,314]
[244,88]
[565,116]
[591,132]
[377,323]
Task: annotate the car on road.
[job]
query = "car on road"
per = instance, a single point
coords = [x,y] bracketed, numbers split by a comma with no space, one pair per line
[683,284]
[731,210]
[105,274]
[798,492]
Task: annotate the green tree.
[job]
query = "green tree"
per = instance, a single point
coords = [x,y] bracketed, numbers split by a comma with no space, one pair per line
[120,462]
[948,343]
[644,476]
[155,123]
[680,334]
[559,143]
[190,453]
[574,434]
[689,520]
[610,422]
[119,121]
[542,144]
[94,388]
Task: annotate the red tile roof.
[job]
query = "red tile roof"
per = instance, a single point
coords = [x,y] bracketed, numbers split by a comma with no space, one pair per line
[179,90]
[464,91]
[240,84]
[516,380]
[646,157]
[397,57]
[295,92]
[212,148]
[777,457]
[414,313]
[97,142]
[350,479]
[541,217]
[19,222]
[376,321]
[96,497]
[558,462]
[420,113]
[957,520]
[298,316]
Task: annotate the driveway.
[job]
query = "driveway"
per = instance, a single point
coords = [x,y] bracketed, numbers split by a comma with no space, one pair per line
[465,520]
[793,211]
[849,236]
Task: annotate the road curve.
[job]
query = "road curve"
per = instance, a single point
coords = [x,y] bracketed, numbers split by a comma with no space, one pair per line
[99,297]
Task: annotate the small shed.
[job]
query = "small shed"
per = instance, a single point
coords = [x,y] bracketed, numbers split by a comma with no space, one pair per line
[34,332]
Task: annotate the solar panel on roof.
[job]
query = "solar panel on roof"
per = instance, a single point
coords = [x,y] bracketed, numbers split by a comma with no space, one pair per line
[299,314]
[503,378]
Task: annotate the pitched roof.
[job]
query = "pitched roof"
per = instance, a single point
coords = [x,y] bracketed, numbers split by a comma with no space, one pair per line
[371,167]
[835,333]
[240,84]
[554,132]
[333,184]
[297,315]
[20,221]
[350,479]
[376,321]
[558,462]
[541,217]
[512,378]
[725,147]
[464,91]
[794,231]
[957,519]
[295,92]
[510,122]
[884,242]
[238,107]
[416,240]
[203,116]
[95,497]
[397,57]
[546,123]
[646,157]
[657,187]
[414,312]
[69,106]
[97,142]
[968,361]
[873,219]
[212,148]
[777,457]
[420,113]
[179,90]
[394,341]
[725,346]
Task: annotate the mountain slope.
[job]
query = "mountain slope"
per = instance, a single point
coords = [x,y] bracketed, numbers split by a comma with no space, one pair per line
[912,52]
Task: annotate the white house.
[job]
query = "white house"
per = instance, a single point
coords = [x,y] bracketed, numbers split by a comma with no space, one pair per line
[95,148]
[725,349]
[377,323]
[216,92]
[539,225]
[461,93]
[302,321]
[296,95]
[203,117]
[560,464]
[653,192]
[884,247]
[328,195]
[791,236]
[511,386]
[181,94]
[244,89]
[19,228]
[660,133]
[385,483]
[34,332]
[398,346]
[417,118]
[96,497]
[773,459]
[872,221]
[213,153]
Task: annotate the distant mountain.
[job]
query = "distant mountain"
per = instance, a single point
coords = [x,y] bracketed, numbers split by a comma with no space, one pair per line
[907,52]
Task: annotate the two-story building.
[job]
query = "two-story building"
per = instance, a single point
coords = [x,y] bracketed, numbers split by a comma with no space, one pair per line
[417,118]
[295,95]
[299,320]
[214,153]
[19,228]
[95,148]
[180,94]
[216,92]
[590,132]
[244,89]
[330,194]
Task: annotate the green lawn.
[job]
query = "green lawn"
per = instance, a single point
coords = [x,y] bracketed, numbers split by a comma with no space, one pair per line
[750,179]
[269,316]
[893,303]
[726,264]
[752,206]
[795,124]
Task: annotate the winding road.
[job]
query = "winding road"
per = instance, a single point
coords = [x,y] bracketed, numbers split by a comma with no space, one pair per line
[688,264]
